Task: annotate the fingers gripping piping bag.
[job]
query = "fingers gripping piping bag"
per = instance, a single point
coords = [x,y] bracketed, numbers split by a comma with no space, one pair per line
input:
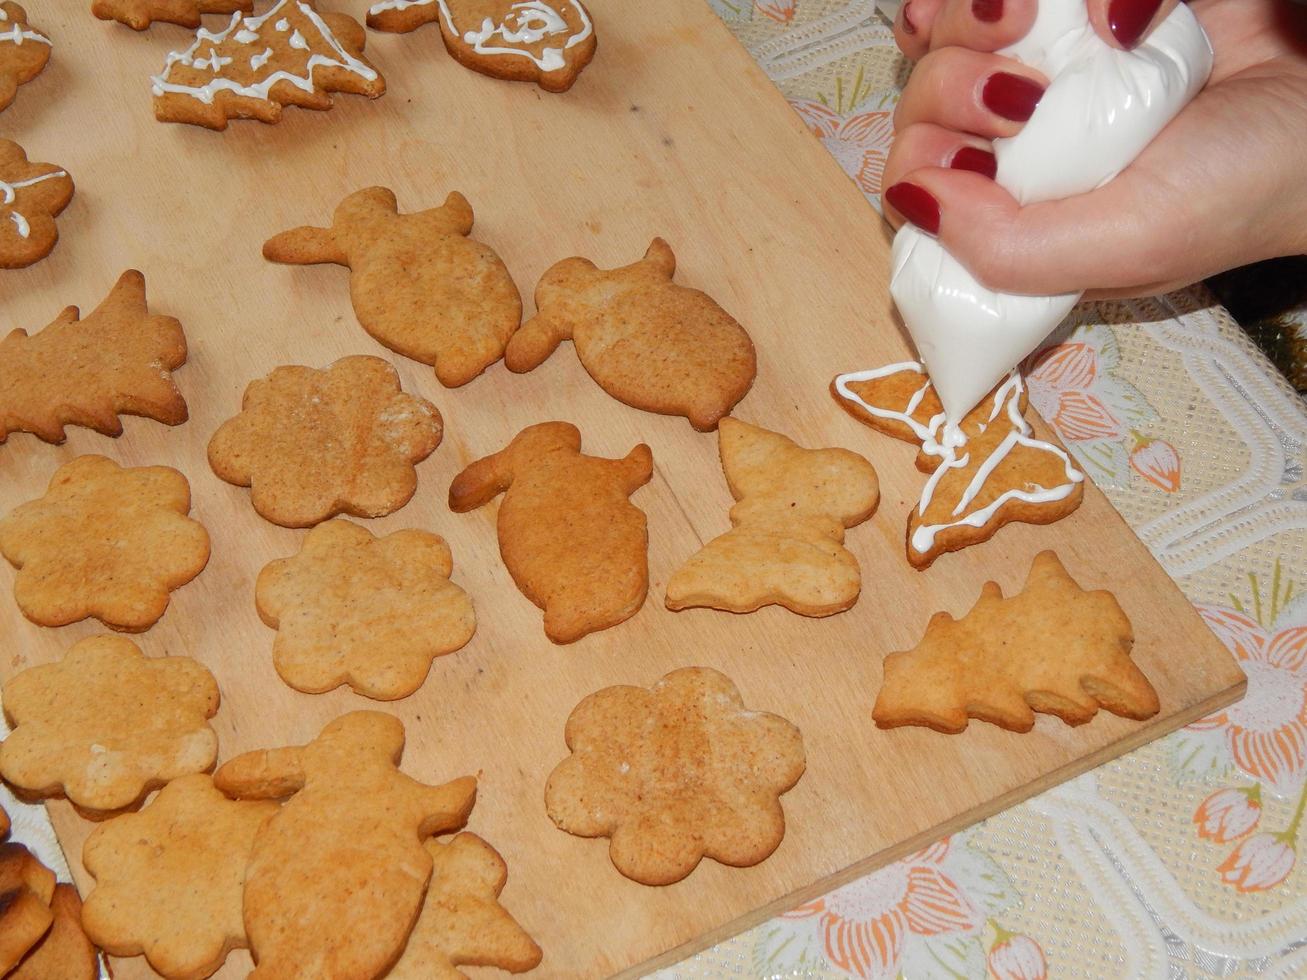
[1101,108]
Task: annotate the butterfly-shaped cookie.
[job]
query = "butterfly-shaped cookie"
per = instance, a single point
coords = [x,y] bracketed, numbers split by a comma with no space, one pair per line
[986,472]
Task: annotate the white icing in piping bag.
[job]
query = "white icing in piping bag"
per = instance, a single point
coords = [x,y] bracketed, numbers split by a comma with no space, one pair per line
[1101,108]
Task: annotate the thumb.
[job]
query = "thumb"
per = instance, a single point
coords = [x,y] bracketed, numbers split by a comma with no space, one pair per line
[1104,239]
[1126,23]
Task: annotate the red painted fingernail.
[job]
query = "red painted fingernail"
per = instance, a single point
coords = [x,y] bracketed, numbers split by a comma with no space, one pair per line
[1127,20]
[989,11]
[916,204]
[974,158]
[908,26]
[1011,96]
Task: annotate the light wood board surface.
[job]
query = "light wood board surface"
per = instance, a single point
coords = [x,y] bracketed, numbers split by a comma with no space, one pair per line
[672,131]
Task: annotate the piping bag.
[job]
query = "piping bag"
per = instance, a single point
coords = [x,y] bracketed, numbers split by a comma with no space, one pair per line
[1101,108]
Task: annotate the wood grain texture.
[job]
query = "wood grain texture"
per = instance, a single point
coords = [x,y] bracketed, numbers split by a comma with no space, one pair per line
[672,131]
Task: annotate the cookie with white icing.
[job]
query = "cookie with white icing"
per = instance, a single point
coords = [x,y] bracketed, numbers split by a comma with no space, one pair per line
[140,14]
[544,41]
[31,195]
[984,473]
[289,55]
[24,51]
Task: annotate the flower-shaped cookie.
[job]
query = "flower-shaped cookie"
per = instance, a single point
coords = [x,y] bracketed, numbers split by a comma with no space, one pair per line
[674,773]
[106,725]
[168,880]
[354,609]
[311,444]
[105,541]
[31,194]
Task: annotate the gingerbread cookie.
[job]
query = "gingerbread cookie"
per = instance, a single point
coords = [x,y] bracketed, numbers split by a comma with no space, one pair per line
[648,342]
[4,823]
[785,545]
[140,14]
[31,195]
[24,51]
[106,725]
[337,876]
[169,880]
[984,473]
[88,372]
[573,542]
[26,890]
[311,444]
[462,922]
[64,953]
[371,613]
[675,773]
[289,55]
[544,41]
[419,285]
[1052,648]
[105,541]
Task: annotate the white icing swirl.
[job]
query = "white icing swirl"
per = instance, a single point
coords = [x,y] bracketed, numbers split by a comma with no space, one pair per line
[9,194]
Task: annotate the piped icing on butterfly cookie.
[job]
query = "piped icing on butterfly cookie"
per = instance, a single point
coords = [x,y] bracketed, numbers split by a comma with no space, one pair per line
[24,51]
[289,55]
[984,473]
[544,41]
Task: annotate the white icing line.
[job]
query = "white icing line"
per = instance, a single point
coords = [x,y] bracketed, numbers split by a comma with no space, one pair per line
[16,35]
[8,194]
[250,26]
[943,440]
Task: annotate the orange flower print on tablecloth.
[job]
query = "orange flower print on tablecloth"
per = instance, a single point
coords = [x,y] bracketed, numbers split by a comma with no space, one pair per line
[1015,957]
[781,11]
[925,914]
[1074,386]
[1259,863]
[1229,814]
[859,141]
[1266,732]
[1157,461]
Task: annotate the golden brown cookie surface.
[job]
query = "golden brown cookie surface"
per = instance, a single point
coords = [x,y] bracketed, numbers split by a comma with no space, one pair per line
[462,922]
[31,195]
[647,341]
[988,471]
[787,528]
[674,773]
[26,889]
[369,612]
[337,876]
[311,444]
[116,361]
[544,41]
[169,879]
[418,284]
[63,953]
[105,725]
[24,51]
[140,14]
[572,540]
[105,541]
[1052,648]
[290,54]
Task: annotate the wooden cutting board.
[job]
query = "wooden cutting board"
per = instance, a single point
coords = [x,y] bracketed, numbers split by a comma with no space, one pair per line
[672,131]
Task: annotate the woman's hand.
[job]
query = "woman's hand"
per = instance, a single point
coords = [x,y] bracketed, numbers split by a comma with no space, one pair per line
[1223,185]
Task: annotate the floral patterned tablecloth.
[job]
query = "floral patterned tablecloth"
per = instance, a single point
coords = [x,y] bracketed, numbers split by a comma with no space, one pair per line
[1180,859]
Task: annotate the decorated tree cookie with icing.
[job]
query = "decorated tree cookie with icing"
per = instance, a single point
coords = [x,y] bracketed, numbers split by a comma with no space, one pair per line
[289,55]
[31,194]
[544,41]
[984,473]
[23,51]
[140,14]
